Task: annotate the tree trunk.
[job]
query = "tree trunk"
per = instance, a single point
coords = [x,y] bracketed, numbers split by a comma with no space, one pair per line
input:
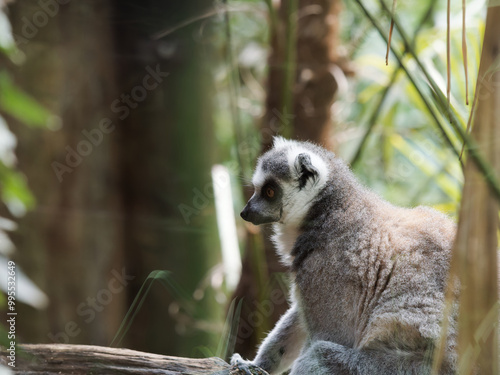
[70,245]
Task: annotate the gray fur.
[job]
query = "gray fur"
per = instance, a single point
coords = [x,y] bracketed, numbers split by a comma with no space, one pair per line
[275,164]
[368,278]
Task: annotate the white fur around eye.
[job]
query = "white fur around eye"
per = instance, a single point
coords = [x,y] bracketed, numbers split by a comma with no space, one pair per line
[296,202]
[259,177]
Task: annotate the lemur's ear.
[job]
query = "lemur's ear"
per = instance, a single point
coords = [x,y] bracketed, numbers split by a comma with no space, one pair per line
[305,169]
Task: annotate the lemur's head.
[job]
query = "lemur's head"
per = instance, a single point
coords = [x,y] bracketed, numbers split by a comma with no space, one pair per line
[287,179]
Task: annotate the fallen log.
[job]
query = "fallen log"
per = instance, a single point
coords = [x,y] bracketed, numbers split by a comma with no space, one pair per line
[52,359]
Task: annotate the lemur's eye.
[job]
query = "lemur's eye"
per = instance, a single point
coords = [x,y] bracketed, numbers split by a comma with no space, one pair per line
[270,191]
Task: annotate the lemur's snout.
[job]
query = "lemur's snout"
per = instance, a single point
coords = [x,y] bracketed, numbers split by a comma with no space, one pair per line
[245,213]
[250,211]
[255,212]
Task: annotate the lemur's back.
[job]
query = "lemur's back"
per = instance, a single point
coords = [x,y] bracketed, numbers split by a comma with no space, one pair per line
[392,274]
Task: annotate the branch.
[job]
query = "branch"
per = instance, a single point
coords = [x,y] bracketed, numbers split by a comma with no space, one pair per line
[52,359]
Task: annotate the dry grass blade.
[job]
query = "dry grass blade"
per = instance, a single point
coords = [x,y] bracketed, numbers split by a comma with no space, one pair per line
[389,43]
[448,53]
[464,52]
[390,32]
[469,123]
[208,14]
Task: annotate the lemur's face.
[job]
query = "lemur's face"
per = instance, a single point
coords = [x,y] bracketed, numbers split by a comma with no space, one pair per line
[266,204]
[286,181]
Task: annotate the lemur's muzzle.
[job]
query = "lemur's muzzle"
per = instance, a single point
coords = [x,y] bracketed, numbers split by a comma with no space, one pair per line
[256,214]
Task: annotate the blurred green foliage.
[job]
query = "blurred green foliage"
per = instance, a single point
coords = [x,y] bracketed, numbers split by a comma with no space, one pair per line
[15,105]
[404,157]
[19,105]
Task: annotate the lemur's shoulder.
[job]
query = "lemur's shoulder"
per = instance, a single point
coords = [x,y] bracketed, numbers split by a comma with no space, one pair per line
[429,228]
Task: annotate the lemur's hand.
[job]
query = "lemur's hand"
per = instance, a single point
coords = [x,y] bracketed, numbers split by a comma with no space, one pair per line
[239,366]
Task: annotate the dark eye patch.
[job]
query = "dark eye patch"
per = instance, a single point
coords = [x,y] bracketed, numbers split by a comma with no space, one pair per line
[270,190]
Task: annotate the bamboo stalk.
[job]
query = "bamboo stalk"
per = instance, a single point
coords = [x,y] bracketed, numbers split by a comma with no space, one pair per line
[474,259]
[476,243]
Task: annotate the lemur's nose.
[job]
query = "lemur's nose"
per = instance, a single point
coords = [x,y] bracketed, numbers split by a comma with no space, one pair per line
[245,213]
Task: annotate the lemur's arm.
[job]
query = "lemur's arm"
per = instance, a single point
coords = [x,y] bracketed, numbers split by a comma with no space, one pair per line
[280,348]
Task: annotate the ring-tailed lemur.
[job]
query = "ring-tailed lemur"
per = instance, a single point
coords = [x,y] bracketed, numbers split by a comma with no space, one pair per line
[368,278]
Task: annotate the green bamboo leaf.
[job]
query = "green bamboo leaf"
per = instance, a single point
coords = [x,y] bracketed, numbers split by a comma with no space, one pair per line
[408,73]
[441,102]
[15,187]
[393,81]
[427,166]
[20,105]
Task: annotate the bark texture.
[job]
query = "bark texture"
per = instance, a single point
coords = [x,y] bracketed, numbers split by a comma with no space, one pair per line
[476,244]
[86,359]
